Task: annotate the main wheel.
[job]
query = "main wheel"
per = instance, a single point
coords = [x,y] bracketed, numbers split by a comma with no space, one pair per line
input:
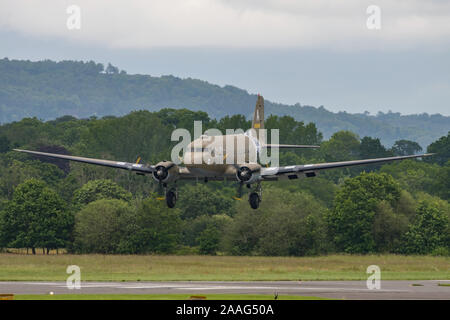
[171,198]
[254,200]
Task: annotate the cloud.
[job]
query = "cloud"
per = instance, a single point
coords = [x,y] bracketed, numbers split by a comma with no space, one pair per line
[144,24]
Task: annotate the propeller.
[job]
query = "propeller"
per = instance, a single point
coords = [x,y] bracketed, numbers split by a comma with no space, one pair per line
[162,172]
[244,174]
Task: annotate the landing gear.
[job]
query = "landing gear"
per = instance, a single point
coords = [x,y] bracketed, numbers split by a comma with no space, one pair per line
[255,197]
[171,194]
[171,197]
[254,200]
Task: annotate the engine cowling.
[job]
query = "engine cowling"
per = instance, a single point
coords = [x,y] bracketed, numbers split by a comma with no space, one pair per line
[165,171]
[249,173]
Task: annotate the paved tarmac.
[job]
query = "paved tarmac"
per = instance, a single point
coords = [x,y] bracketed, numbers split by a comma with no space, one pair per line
[414,289]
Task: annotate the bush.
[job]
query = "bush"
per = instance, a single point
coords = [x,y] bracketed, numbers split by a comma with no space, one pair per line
[285,225]
[103,226]
[441,251]
[100,189]
[351,223]
[428,232]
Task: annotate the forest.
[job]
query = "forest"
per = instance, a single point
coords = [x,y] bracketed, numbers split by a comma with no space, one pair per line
[48,90]
[50,204]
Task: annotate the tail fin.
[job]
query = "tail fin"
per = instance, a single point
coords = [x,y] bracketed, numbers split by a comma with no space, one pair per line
[258,116]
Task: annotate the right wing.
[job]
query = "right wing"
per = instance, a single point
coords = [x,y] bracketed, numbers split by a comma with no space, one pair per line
[310,170]
[106,163]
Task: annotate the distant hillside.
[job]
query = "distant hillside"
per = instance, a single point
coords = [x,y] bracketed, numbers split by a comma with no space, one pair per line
[48,90]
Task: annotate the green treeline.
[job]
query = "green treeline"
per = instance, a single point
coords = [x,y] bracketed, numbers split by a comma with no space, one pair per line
[49,89]
[45,203]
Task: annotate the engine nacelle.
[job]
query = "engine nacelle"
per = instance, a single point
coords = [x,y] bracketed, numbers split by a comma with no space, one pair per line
[249,173]
[165,171]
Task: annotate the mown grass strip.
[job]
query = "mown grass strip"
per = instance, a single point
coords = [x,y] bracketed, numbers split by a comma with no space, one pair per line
[20,267]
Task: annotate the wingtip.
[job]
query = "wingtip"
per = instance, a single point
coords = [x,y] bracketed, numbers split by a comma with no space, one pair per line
[20,150]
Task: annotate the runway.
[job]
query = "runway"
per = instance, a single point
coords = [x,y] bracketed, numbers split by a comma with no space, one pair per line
[414,289]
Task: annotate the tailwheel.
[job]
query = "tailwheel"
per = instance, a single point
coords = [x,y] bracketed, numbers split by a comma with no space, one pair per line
[171,197]
[254,200]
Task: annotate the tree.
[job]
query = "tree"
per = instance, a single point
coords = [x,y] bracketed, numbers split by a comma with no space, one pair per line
[195,234]
[441,148]
[405,148]
[372,148]
[5,144]
[36,217]
[299,230]
[209,240]
[442,182]
[429,230]
[100,189]
[388,228]
[343,145]
[415,175]
[158,228]
[16,172]
[103,226]
[352,219]
[111,69]
[199,199]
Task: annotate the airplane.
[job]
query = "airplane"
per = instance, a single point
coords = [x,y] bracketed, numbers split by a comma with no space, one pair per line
[200,162]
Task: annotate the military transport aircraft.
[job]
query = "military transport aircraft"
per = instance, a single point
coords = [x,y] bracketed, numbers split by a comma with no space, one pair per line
[200,162]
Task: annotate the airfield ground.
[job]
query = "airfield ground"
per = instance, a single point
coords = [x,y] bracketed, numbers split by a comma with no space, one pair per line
[22,267]
[160,297]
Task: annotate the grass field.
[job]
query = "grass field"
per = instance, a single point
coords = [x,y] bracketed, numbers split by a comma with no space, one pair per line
[19,267]
[159,297]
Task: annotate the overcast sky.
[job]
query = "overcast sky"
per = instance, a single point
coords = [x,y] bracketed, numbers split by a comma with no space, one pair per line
[313,52]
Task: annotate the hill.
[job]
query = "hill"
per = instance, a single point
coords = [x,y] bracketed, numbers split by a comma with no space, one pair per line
[48,90]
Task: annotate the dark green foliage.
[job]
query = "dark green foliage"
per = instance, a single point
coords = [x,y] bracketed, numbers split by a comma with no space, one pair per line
[36,217]
[428,232]
[199,199]
[299,230]
[99,189]
[371,213]
[5,144]
[355,205]
[114,226]
[441,148]
[442,183]
[16,172]
[343,145]
[103,226]
[372,148]
[157,230]
[405,148]
[417,176]
[209,240]
[389,226]
[194,231]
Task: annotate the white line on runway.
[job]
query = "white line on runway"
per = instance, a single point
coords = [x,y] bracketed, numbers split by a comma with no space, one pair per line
[206,287]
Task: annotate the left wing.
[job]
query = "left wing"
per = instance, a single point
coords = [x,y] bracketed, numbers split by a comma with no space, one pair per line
[310,170]
[106,163]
